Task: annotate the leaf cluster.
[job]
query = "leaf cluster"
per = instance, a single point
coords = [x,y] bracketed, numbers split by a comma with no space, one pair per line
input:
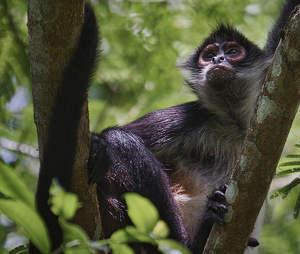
[17,202]
[293,167]
[14,62]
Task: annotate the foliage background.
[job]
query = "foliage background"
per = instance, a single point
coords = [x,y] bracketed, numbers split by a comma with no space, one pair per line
[142,42]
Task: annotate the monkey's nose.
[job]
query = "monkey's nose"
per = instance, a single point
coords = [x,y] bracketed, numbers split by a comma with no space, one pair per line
[218,59]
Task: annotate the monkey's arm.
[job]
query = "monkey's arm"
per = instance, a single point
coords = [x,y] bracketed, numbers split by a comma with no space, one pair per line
[275,35]
[167,128]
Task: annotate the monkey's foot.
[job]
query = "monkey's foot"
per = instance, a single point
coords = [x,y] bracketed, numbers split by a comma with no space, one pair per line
[252,242]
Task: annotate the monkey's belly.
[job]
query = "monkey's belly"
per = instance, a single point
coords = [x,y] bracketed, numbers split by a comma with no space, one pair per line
[190,192]
[191,209]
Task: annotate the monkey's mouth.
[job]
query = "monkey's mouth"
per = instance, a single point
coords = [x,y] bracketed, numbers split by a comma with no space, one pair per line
[220,73]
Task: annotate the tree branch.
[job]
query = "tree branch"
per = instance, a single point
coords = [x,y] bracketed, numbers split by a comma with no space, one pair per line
[263,145]
[54,28]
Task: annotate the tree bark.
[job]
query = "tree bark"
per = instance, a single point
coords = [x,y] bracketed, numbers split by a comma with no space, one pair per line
[54,28]
[263,145]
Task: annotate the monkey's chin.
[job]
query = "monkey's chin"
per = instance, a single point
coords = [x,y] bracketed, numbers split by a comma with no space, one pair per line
[220,74]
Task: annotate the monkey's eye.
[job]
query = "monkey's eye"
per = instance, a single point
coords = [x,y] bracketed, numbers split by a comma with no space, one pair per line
[235,53]
[232,52]
[209,55]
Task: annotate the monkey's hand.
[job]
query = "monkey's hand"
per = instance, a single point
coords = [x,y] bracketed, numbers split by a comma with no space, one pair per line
[216,210]
[99,159]
[215,206]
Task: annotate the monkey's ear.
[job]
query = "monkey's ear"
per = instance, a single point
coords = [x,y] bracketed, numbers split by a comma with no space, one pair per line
[99,159]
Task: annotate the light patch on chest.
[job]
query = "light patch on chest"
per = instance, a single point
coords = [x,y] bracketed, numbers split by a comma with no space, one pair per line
[191,209]
[190,191]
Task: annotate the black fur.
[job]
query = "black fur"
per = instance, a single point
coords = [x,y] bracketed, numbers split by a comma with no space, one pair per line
[134,169]
[274,35]
[177,157]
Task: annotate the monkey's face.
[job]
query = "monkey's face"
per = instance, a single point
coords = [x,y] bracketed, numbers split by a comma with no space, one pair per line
[225,61]
[218,61]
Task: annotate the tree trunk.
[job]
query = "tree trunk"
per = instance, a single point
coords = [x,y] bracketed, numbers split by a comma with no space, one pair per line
[263,146]
[54,28]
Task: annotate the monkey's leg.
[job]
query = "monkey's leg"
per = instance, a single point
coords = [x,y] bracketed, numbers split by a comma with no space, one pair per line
[131,167]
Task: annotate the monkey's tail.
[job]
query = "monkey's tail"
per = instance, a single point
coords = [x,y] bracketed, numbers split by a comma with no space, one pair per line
[274,35]
[59,151]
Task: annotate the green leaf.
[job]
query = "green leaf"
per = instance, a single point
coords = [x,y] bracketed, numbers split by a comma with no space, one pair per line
[64,204]
[284,191]
[170,246]
[22,249]
[138,236]
[100,245]
[161,230]
[293,156]
[142,212]
[78,250]
[29,220]
[11,185]
[75,238]
[290,163]
[122,236]
[73,232]
[288,171]
[297,207]
[121,249]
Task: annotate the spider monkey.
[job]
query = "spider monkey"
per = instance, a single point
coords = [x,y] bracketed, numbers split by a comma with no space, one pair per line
[179,157]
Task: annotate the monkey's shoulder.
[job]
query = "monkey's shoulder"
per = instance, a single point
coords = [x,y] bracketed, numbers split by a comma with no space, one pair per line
[176,119]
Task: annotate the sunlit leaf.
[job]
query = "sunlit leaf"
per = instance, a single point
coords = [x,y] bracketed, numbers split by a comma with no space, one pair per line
[161,229]
[293,156]
[121,249]
[11,185]
[284,191]
[142,212]
[290,163]
[78,250]
[287,172]
[122,236]
[138,236]
[100,245]
[75,238]
[170,246]
[64,203]
[29,220]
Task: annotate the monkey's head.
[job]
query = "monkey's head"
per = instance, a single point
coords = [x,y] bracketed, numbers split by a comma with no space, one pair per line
[225,59]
